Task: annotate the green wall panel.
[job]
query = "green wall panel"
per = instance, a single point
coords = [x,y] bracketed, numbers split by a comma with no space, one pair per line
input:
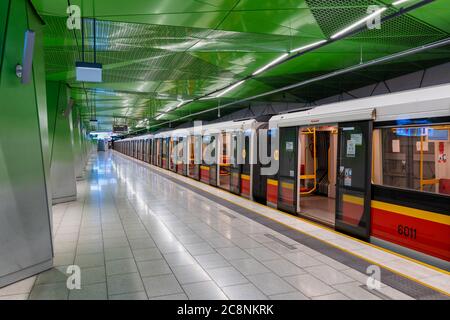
[25,231]
[62,168]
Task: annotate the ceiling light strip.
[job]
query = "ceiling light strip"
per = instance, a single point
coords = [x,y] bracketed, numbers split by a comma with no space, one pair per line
[309,46]
[267,66]
[230,88]
[396,3]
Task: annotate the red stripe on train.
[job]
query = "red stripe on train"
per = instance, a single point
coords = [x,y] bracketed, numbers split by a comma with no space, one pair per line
[245,187]
[425,236]
[272,193]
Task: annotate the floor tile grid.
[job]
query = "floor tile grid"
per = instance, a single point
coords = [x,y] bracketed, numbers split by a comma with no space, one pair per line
[219,207]
[104,215]
[132,251]
[57,227]
[168,181]
[81,195]
[179,239]
[163,255]
[97,200]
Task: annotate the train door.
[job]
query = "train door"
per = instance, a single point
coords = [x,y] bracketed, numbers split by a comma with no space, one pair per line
[272,180]
[208,170]
[165,153]
[153,160]
[213,170]
[194,153]
[287,184]
[246,166]
[317,156]
[144,149]
[159,152]
[154,152]
[172,157]
[138,149]
[260,181]
[151,151]
[180,154]
[353,192]
[224,161]
[236,163]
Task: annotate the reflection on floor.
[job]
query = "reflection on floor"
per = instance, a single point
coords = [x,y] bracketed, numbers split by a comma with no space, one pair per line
[319,208]
[138,235]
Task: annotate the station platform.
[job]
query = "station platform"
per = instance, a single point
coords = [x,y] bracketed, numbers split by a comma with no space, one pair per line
[140,232]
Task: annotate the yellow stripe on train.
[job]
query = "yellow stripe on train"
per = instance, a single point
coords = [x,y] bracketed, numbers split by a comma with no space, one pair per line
[353,199]
[411,212]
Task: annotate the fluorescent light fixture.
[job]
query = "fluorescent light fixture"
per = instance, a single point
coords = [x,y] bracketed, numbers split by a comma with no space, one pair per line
[207,98]
[183,102]
[230,88]
[311,45]
[270,64]
[351,27]
[170,107]
[396,3]
[88,72]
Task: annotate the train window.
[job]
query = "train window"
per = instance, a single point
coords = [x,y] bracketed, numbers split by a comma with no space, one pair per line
[412,158]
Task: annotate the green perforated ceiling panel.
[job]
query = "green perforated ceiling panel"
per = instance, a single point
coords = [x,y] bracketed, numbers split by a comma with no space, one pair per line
[156,54]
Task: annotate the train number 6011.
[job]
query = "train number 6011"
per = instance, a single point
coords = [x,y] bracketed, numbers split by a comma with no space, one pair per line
[406,231]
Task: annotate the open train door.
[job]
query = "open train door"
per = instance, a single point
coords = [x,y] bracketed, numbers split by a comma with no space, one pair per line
[287,173]
[353,192]
[236,163]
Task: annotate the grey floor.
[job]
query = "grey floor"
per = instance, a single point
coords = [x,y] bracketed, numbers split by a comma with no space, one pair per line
[319,208]
[137,235]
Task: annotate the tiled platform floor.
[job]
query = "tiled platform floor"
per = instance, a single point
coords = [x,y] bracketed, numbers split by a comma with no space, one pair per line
[138,235]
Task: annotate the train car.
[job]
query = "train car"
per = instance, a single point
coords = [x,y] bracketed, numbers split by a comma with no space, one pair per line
[235,144]
[375,168]
[225,138]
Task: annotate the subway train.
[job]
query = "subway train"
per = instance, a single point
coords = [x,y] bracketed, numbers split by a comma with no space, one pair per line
[375,168]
